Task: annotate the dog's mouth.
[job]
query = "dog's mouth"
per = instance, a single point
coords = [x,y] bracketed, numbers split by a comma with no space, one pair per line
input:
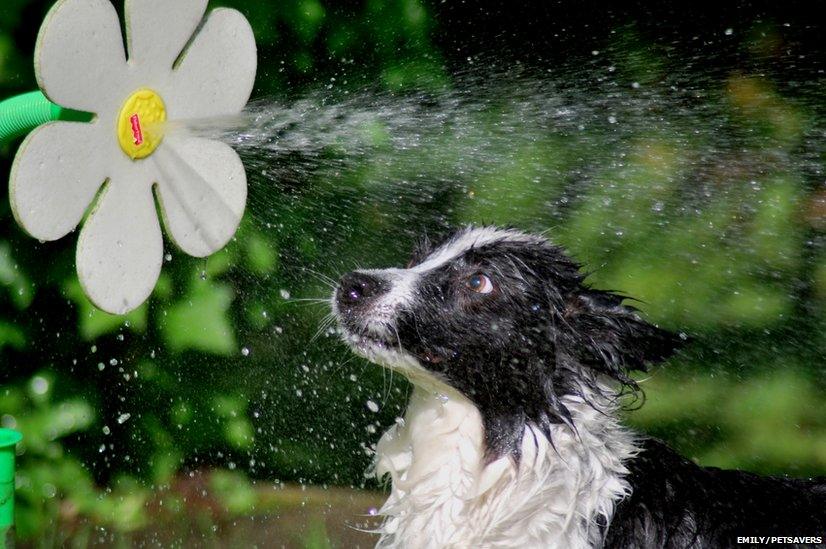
[362,338]
[378,335]
[365,340]
[366,343]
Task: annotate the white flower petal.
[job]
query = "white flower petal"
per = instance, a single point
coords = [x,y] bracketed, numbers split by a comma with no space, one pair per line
[217,72]
[158,30]
[120,250]
[55,175]
[203,192]
[79,58]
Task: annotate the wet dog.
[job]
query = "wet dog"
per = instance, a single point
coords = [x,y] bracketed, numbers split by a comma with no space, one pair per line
[512,436]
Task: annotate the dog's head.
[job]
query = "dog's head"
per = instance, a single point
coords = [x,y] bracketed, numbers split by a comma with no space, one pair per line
[503,317]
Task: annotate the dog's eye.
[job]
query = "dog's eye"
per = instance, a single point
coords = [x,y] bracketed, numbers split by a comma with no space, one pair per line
[480,284]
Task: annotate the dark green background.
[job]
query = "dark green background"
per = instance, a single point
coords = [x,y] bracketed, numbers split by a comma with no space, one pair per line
[720,232]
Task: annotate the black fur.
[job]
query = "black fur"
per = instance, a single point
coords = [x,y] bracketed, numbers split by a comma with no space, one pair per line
[543,333]
[676,504]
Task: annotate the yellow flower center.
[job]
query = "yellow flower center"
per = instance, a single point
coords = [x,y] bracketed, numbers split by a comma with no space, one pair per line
[141,124]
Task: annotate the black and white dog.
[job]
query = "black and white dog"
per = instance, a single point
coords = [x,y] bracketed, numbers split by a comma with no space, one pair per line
[512,436]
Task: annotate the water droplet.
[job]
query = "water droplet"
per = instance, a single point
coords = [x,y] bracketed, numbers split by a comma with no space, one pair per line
[49,490]
[40,385]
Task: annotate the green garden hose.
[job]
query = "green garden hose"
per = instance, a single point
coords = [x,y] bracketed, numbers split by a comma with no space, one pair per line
[8,441]
[21,114]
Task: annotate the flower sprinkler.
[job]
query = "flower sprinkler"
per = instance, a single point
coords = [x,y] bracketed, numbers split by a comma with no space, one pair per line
[100,139]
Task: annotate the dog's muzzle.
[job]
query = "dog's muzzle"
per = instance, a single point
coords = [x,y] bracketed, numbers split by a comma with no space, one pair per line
[358,290]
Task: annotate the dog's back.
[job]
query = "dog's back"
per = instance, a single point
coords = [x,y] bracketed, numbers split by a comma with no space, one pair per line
[675,503]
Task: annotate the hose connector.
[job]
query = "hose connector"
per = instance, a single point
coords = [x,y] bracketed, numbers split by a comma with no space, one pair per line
[8,442]
[21,114]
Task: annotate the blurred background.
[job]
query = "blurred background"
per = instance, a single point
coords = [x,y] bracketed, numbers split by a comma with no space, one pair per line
[677,151]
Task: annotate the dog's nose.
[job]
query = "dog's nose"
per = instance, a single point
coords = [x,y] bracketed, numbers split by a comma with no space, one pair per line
[357,288]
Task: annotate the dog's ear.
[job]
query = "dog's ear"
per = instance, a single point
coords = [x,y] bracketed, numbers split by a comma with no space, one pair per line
[612,337]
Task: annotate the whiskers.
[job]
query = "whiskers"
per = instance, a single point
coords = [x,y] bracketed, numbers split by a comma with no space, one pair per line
[310,300]
[329,319]
[328,281]
[323,326]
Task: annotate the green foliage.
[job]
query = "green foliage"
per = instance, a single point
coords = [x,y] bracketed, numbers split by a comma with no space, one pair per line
[234,490]
[199,320]
[94,323]
[50,480]
[769,422]
[223,370]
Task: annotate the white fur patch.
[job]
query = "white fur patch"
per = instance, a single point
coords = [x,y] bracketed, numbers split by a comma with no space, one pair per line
[403,282]
[445,495]
[474,237]
[397,360]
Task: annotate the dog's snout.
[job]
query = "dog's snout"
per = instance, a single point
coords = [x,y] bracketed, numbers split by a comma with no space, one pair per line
[358,288]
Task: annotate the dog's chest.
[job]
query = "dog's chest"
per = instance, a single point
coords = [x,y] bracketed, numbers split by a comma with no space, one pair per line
[445,495]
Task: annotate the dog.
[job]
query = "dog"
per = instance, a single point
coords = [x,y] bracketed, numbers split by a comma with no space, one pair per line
[512,436]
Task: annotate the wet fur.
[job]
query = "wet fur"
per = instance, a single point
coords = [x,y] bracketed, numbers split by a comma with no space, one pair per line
[512,435]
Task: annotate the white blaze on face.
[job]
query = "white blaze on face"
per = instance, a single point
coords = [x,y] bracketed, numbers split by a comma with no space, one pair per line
[404,282]
[467,240]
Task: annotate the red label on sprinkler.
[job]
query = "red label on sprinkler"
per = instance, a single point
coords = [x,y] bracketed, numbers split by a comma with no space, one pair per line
[136,129]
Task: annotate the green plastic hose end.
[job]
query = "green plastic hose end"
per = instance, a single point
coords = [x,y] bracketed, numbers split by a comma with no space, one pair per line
[21,114]
[8,442]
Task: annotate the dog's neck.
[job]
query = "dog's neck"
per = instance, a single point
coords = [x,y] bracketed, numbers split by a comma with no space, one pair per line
[447,493]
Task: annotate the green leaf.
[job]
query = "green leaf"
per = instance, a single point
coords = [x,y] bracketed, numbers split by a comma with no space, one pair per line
[234,491]
[316,536]
[94,323]
[200,322]
[239,433]
[20,287]
[262,257]
[309,17]
[11,336]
